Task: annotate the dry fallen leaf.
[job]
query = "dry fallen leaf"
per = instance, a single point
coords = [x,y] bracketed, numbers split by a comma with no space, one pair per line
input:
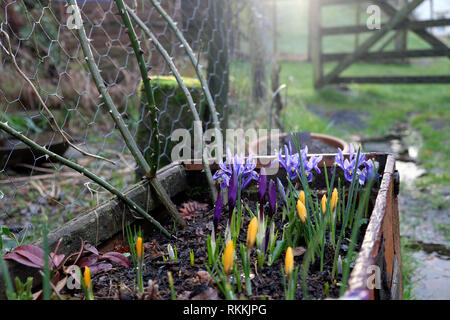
[298,251]
[192,209]
[204,277]
[207,294]
[199,231]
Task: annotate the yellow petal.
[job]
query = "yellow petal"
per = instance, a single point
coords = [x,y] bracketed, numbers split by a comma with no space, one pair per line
[228,258]
[324,203]
[139,248]
[251,232]
[301,197]
[87,276]
[334,199]
[301,210]
[289,262]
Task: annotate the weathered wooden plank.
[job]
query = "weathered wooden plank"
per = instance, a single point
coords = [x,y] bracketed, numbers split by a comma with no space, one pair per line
[102,222]
[265,161]
[410,25]
[373,239]
[316,41]
[376,56]
[394,79]
[388,235]
[336,2]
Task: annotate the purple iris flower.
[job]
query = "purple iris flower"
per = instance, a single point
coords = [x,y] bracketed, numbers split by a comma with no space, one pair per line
[311,164]
[281,190]
[233,192]
[244,169]
[262,184]
[368,172]
[272,197]
[217,211]
[291,163]
[340,162]
[262,189]
[349,165]
[349,169]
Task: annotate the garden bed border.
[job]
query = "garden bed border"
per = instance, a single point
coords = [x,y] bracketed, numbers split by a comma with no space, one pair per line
[380,247]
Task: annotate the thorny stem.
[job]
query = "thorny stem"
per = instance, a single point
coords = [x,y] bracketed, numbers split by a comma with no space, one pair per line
[183,87]
[154,157]
[52,121]
[5,127]
[128,138]
[89,57]
[198,70]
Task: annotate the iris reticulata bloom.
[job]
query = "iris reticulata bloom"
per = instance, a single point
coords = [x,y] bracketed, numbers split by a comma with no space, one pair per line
[244,169]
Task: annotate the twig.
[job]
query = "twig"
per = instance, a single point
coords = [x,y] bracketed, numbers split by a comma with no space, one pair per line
[138,52]
[183,87]
[54,175]
[5,127]
[194,61]
[50,114]
[53,287]
[168,262]
[128,138]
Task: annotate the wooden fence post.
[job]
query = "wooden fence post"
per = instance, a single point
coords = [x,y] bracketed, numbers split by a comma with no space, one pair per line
[315,19]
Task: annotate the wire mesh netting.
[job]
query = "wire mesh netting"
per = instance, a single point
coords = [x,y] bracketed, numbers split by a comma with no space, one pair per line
[231,40]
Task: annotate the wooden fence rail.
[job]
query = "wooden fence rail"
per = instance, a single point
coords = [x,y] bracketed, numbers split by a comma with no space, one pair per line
[399,21]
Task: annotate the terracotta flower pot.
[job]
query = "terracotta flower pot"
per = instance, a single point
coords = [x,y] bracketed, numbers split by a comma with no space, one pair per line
[327,140]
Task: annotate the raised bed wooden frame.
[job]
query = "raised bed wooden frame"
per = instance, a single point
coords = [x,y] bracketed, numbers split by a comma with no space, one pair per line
[380,249]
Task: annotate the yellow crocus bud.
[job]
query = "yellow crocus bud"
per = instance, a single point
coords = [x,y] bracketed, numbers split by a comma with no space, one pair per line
[228,258]
[139,248]
[334,199]
[301,210]
[324,204]
[87,277]
[251,232]
[289,262]
[301,197]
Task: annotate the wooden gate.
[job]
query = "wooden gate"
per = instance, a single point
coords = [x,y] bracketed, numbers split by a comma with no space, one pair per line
[398,21]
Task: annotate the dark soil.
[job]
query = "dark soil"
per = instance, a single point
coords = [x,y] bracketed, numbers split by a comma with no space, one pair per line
[193,282]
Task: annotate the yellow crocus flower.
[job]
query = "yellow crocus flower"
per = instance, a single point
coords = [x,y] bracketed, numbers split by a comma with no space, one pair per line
[324,204]
[251,232]
[301,210]
[301,197]
[289,262]
[87,277]
[334,199]
[228,258]
[139,248]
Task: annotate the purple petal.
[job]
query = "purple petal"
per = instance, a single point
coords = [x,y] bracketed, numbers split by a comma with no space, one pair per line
[272,196]
[262,184]
[218,210]
[281,190]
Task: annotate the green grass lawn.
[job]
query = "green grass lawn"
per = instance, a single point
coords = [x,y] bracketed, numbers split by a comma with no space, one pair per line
[426,107]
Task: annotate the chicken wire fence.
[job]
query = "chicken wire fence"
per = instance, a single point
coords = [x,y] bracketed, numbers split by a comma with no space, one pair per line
[232,40]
